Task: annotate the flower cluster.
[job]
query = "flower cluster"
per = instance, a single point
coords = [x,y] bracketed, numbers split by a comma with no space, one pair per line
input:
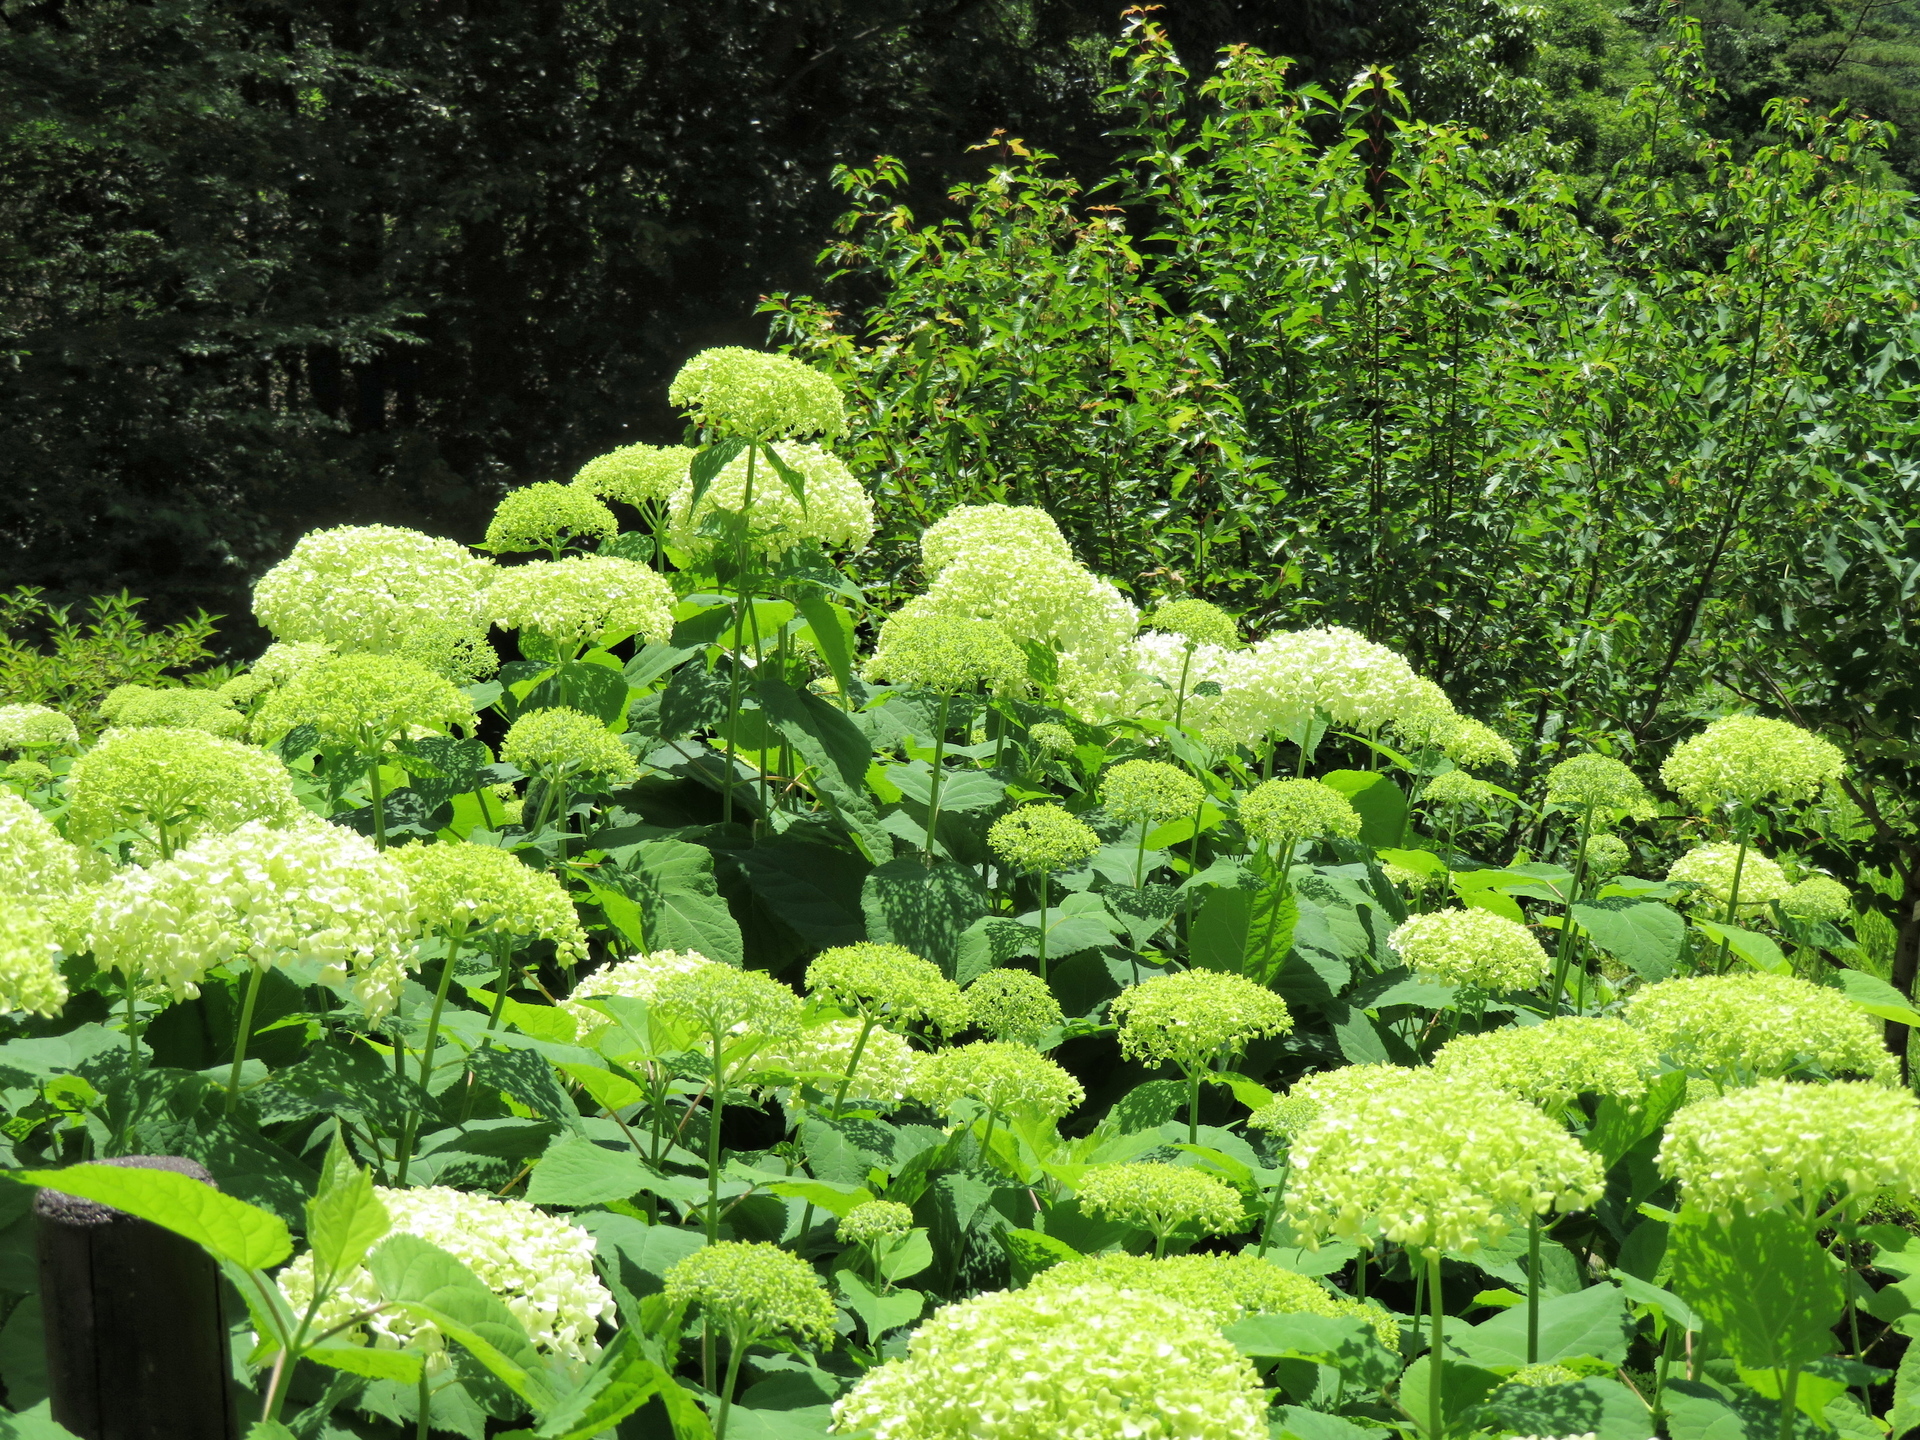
[1196,622]
[1471,947]
[1149,791]
[583,598]
[35,727]
[1281,811]
[30,979]
[315,892]
[1599,781]
[746,392]
[1160,1198]
[638,979]
[1473,743]
[717,999]
[182,782]
[480,890]
[562,744]
[1280,683]
[1818,897]
[1740,1028]
[1042,1364]
[1014,1005]
[1457,787]
[1797,1146]
[1434,1163]
[635,474]
[875,1220]
[547,516]
[365,587]
[361,703]
[1744,759]
[35,862]
[948,656]
[1553,1062]
[1712,867]
[1145,680]
[887,1071]
[1042,840]
[837,512]
[1310,1097]
[179,708]
[541,1267]
[284,659]
[1606,855]
[1192,1017]
[1054,739]
[888,982]
[967,530]
[998,1076]
[751,1289]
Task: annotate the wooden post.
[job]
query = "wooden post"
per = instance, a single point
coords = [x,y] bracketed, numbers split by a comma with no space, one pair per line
[136,1342]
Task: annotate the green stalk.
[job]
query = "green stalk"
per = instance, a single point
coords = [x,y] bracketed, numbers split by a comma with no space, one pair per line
[933,781]
[379,804]
[412,1127]
[716,1106]
[1180,695]
[425,1403]
[853,1063]
[1533,1289]
[1733,900]
[1043,926]
[1789,1395]
[1273,1213]
[133,1044]
[1437,1363]
[241,1037]
[1563,953]
[742,604]
[502,982]
[734,1349]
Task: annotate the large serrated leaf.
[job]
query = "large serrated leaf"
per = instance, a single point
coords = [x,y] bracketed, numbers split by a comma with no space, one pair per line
[228,1229]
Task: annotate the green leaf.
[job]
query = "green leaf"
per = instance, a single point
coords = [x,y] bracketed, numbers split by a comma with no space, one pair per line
[1587,1322]
[1670,1306]
[1031,1251]
[1905,1414]
[1465,1386]
[1605,1409]
[814,888]
[909,1255]
[426,1282]
[831,628]
[879,1313]
[709,463]
[1381,803]
[1643,935]
[226,1228]
[923,907]
[346,1218]
[1245,932]
[622,1380]
[1763,1287]
[836,753]
[575,1172]
[266,1430]
[962,789]
[401,1365]
[1760,951]
[1876,997]
[680,905]
[1348,1343]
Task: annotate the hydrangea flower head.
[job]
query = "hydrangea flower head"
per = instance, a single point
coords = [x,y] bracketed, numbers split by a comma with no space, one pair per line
[1818,897]
[1284,680]
[35,727]
[1042,840]
[314,892]
[887,1072]
[1457,787]
[562,743]
[837,512]
[364,587]
[540,1266]
[483,890]
[1054,739]
[875,1220]
[1293,1112]
[1599,781]
[36,863]
[1607,854]
[1471,947]
[734,391]
[719,999]
[1160,1198]
[1043,1364]
[1744,759]
[888,982]
[1744,1027]
[948,655]
[749,1290]
[284,659]
[1143,680]
[361,702]
[176,707]
[581,598]
[1556,1061]
[1013,1005]
[30,978]
[635,473]
[189,781]
[1778,1144]
[1192,1017]
[638,978]
[1474,743]
[1197,622]
[547,516]
[1712,866]
[998,1076]
[1276,811]
[1149,791]
[1433,1163]
[969,529]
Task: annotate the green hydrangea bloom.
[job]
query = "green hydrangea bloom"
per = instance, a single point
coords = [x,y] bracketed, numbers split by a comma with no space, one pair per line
[1797,1147]
[875,1220]
[1224,1288]
[242,690]
[1046,1364]
[1194,1017]
[548,516]
[968,529]
[582,598]
[1818,897]
[1196,622]
[1149,791]
[1744,759]
[451,649]
[886,1073]
[1013,1005]
[749,1289]
[367,587]
[171,785]
[1433,1163]
[30,979]
[837,511]
[745,392]
[36,863]
[482,890]
[1054,739]
[999,1076]
[635,474]
[1042,840]
[718,999]
[888,982]
[637,978]
[177,708]
[361,703]
[1472,743]
[1160,1198]
[562,744]
[1599,781]
[1737,1029]
[1457,787]
[1535,1377]
[1712,866]
[284,659]
[1471,947]
[1277,811]
[949,656]
[35,727]
[1309,1098]
[1553,1062]
[1285,680]
[1607,854]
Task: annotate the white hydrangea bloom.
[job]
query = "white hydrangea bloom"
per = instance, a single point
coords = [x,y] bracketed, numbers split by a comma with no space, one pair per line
[35,862]
[1277,684]
[638,978]
[32,726]
[1143,681]
[581,598]
[968,528]
[30,978]
[838,512]
[888,1071]
[364,587]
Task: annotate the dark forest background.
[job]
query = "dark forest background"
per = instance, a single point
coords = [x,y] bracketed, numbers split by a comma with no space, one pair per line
[271,266]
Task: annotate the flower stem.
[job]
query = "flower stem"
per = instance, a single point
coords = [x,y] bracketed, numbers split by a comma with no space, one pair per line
[1043,926]
[412,1127]
[853,1063]
[1436,1363]
[1533,1289]
[734,1348]
[241,1036]
[716,1106]
[933,780]
[379,805]
[1193,1107]
[1733,900]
